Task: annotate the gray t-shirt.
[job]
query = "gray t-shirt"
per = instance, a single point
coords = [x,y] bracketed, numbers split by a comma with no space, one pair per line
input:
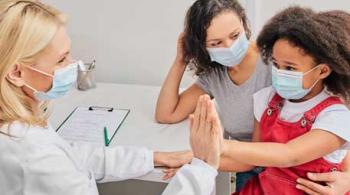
[235,102]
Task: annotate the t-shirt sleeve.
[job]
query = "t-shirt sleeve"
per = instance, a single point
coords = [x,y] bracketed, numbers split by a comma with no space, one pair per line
[335,119]
[261,100]
[203,82]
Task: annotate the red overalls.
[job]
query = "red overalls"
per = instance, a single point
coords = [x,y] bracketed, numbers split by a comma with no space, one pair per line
[283,180]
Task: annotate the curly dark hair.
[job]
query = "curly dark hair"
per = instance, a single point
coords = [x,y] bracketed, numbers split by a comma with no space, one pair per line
[198,19]
[325,36]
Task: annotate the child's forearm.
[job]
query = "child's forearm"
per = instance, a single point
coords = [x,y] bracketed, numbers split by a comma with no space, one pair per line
[259,154]
[230,165]
[297,151]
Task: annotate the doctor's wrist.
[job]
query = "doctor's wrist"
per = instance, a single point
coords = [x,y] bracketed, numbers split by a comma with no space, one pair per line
[158,160]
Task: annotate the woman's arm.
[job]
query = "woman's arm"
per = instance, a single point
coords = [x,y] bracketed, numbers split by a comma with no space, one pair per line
[173,107]
[335,183]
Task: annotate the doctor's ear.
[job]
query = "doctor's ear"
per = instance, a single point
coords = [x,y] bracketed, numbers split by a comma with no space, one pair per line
[325,71]
[15,76]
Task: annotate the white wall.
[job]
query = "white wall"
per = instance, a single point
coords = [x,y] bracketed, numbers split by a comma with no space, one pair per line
[134,41]
[261,10]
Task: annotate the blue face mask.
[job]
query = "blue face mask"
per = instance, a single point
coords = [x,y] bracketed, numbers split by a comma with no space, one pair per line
[289,84]
[233,55]
[63,80]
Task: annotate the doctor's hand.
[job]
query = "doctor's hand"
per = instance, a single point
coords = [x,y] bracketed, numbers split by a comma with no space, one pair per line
[172,159]
[206,135]
[336,183]
[169,173]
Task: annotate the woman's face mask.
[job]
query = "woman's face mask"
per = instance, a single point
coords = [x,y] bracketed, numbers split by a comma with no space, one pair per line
[62,81]
[233,55]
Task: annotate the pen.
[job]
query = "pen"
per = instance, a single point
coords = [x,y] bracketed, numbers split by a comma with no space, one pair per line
[105,136]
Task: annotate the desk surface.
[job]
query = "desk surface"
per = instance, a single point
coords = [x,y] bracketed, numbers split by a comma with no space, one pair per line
[139,128]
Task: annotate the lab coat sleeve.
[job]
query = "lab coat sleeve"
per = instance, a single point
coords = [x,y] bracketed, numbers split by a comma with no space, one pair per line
[193,179]
[49,171]
[114,163]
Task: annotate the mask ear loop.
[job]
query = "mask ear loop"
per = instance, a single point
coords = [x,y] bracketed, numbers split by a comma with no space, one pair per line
[30,87]
[39,71]
[307,72]
[313,85]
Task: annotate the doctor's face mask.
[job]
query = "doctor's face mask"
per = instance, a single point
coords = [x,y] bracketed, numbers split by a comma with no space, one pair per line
[62,81]
[53,73]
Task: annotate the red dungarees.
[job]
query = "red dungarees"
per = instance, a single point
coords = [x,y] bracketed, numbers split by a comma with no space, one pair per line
[282,181]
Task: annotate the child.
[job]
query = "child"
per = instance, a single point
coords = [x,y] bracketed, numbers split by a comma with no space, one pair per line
[302,118]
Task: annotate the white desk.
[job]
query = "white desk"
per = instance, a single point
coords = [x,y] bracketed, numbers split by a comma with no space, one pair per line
[139,128]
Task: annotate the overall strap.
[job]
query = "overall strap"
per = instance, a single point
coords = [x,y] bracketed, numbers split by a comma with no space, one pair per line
[310,116]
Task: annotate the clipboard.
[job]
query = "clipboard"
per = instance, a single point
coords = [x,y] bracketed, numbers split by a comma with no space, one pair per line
[87,124]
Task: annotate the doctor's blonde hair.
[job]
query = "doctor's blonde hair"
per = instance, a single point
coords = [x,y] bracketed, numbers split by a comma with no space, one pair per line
[26,29]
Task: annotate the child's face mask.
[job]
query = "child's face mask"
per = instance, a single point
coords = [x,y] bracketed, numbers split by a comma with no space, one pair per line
[289,84]
[62,82]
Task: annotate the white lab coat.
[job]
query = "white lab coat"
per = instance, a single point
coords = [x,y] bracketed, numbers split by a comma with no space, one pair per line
[37,161]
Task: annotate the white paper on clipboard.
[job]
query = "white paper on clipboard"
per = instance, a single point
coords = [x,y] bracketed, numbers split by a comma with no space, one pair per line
[86,124]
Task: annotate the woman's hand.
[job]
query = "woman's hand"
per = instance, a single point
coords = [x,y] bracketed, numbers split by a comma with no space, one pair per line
[206,136]
[337,183]
[172,159]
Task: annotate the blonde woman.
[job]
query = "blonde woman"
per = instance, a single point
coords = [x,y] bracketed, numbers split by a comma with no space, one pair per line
[36,66]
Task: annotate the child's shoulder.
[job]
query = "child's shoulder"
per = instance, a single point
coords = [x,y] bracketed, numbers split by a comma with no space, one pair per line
[335,119]
[265,94]
[261,100]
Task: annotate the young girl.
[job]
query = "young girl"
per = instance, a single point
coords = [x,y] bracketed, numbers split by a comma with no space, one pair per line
[216,45]
[36,66]
[302,118]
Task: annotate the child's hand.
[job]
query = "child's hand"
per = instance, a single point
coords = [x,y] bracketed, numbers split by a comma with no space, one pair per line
[206,133]
[169,173]
[172,159]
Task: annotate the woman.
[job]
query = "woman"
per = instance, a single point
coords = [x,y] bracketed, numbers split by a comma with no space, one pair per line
[216,45]
[35,67]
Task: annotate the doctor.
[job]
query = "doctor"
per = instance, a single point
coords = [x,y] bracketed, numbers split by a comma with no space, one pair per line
[35,67]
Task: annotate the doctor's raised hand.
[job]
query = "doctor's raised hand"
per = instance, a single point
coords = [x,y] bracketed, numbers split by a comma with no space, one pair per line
[206,136]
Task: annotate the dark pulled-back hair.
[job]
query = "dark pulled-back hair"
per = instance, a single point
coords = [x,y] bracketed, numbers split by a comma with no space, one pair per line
[197,21]
[325,36]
